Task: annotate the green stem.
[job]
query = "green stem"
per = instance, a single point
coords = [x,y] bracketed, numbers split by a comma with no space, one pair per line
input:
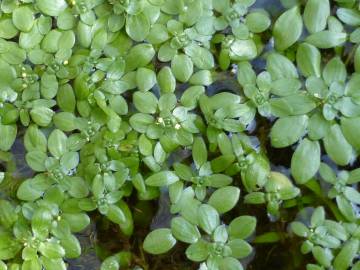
[350,55]
[314,186]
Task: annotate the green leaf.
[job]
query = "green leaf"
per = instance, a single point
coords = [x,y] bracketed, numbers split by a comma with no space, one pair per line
[305,161]
[110,263]
[224,199]
[56,264]
[51,7]
[268,237]
[7,29]
[66,98]
[308,59]
[198,251]
[224,143]
[201,57]
[326,39]
[8,135]
[145,79]
[323,256]
[280,67]
[230,263]
[141,121]
[223,99]
[57,143]
[31,264]
[257,21]
[66,21]
[139,56]
[145,102]
[256,174]
[242,227]
[287,29]
[349,16]
[8,249]
[299,104]
[288,130]
[318,126]
[337,147]
[166,52]
[69,160]
[3,266]
[36,160]
[159,241]
[192,14]
[241,50]
[352,195]
[176,189]
[219,180]
[334,71]
[8,216]
[137,26]
[208,218]
[357,59]
[285,87]
[221,163]
[317,217]
[347,254]
[163,178]
[246,74]
[145,145]
[158,34]
[49,86]
[23,18]
[115,214]
[42,116]
[299,229]
[345,208]
[191,96]
[199,152]
[316,13]
[33,188]
[220,234]
[327,173]
[182,67]
[65,121]
[51,250]
[71,246]
[239,248]
[189,206]
[184,231]
[166,80]
[202,77]
[350,128]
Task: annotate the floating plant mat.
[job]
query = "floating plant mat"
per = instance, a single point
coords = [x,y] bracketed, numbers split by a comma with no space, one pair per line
[179,134]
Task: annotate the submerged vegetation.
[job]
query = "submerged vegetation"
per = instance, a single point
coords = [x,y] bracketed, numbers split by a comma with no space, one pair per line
[179,134]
